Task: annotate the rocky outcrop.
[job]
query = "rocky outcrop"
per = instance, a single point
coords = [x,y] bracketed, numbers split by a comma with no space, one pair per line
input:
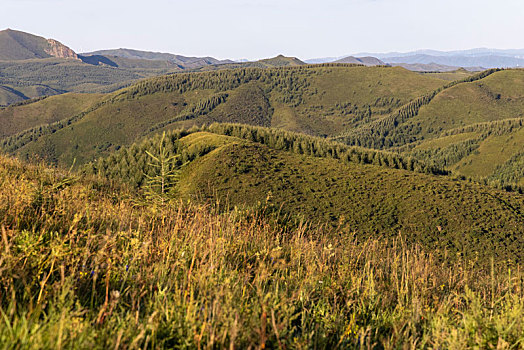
[57,49]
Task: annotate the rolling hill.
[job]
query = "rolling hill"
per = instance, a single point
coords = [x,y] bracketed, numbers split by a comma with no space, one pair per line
[433,67]
[367,61]
[43,111]
[26,79]
[277,61]
[235,205]
[301,178]
[286,98]
[486,109]
[378,107]
[17,49]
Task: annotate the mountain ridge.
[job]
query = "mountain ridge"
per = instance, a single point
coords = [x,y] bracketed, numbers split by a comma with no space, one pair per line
[17,45]
[367,60]
[184,61]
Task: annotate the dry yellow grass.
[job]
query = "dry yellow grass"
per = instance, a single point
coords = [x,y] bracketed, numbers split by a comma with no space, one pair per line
[87,264]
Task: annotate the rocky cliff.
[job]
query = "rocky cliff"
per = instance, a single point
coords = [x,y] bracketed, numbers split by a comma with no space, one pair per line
[57,49]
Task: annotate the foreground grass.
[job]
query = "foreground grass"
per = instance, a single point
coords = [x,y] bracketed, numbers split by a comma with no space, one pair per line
[87,264]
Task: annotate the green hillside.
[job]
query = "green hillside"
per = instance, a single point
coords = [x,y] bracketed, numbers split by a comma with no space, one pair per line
[282,61]
[458,74]
[490,151]
[90,264]
[487,96]
[496,97]
[318,100]
[129,63]
[10,95]
[277,61]
[31,113]
[306,179]
[486,108]
[378,107]
[69,75]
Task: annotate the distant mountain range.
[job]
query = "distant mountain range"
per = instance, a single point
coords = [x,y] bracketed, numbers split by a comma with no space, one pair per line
[434,67]
[473,59]
[357,59]
[181,61]
[32,66]
[519,53]
[366,61]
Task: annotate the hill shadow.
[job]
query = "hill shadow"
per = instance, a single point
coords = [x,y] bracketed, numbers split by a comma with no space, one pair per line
[97,60]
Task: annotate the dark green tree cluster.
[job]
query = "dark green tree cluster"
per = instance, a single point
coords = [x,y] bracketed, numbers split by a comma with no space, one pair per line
[289,81]
[202,107]
[319,147]
[133,165]
[447,156]
[139,163]
[496,128]
[509,175]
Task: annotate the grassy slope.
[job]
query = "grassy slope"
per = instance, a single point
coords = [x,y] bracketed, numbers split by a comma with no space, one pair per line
[89,265]
[123,62]
[492,151]
[496,97]
[278,61]
[315,100]
[15,119]
[88,138]
[483,106]
[434,211]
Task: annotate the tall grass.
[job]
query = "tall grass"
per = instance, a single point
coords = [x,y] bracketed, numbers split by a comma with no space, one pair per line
[88,264]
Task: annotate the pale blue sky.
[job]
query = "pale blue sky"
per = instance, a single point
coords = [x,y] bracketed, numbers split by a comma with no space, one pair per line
[263,28]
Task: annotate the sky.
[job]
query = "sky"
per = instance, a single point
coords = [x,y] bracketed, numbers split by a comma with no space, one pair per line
[255,29]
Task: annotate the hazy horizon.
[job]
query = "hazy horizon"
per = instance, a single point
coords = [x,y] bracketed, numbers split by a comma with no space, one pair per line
[242,29]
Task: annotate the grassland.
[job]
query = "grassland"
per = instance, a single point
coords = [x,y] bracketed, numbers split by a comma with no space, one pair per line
[17,118]
[360,193]
[496,97]
[489,152]
[318,100]
[226,235]
[90,264]
[378,107]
